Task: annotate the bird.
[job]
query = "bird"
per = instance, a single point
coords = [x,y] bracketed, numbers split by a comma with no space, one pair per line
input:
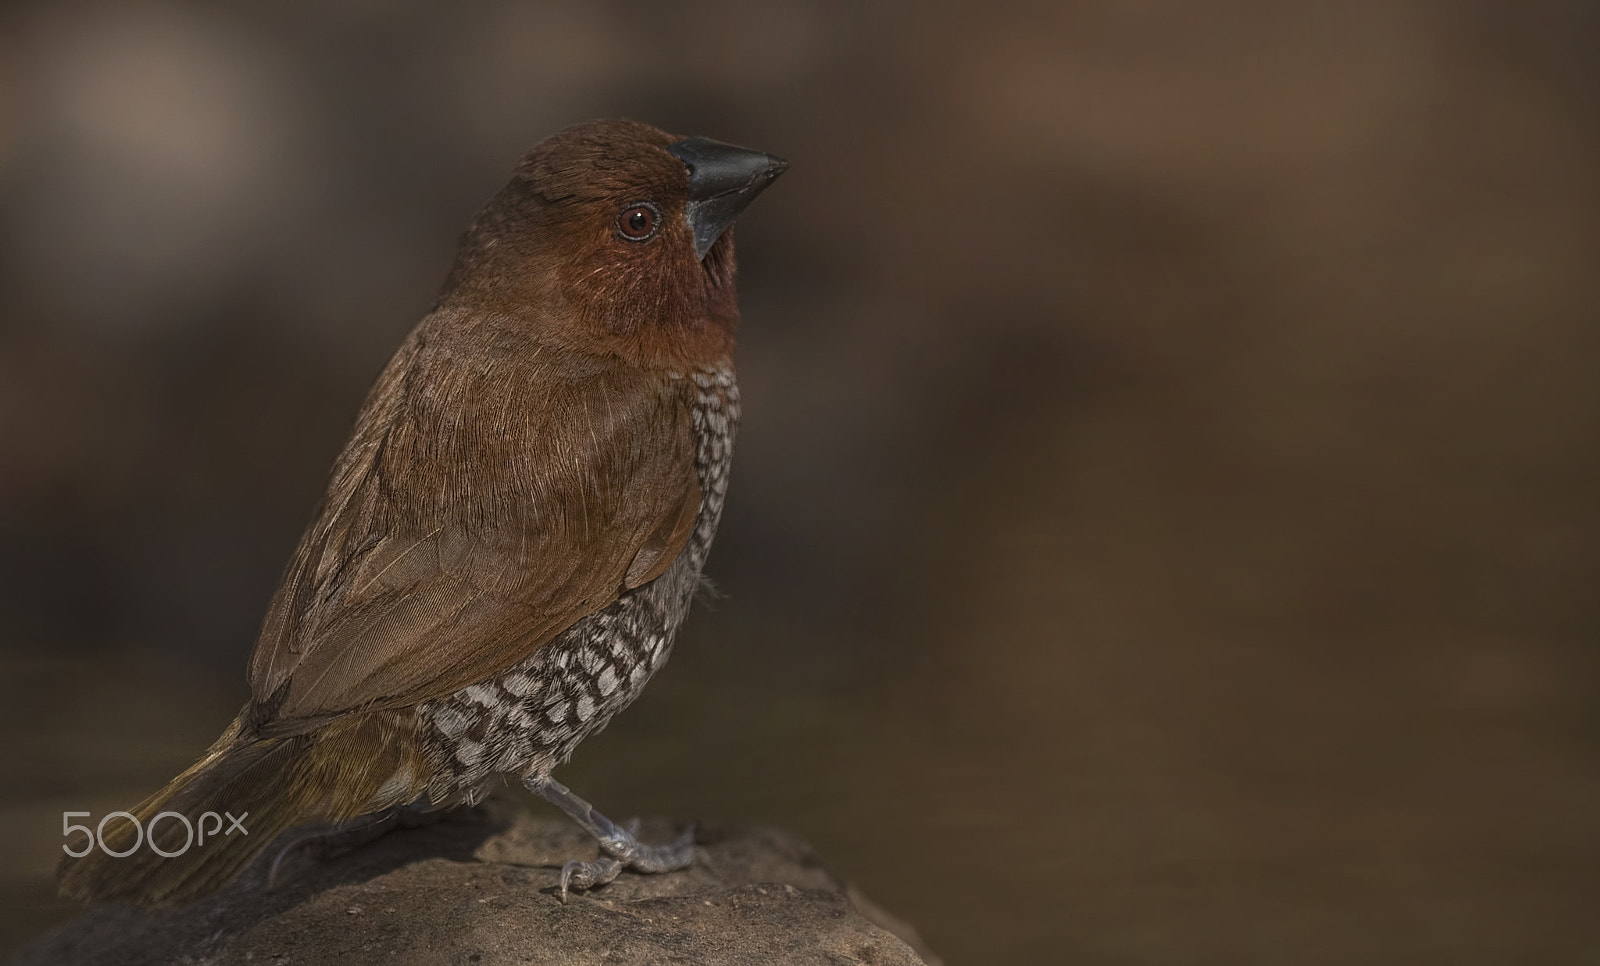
[511,536]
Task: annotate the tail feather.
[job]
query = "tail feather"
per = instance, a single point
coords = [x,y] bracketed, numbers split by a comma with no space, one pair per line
[269,785]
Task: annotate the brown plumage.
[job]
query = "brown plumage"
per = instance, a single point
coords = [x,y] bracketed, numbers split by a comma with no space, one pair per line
[514,529]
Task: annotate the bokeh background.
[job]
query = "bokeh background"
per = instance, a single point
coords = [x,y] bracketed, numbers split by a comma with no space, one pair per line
[1165,525]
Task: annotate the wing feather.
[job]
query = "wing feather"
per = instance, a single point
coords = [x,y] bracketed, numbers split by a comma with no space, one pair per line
[461,532]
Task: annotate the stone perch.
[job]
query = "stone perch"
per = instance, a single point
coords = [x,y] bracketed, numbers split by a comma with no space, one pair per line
[481,888]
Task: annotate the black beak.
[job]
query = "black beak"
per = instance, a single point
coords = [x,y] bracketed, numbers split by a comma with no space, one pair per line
[723,179]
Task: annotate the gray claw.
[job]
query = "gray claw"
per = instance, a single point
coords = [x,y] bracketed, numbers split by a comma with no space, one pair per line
[577,874]
[677,854]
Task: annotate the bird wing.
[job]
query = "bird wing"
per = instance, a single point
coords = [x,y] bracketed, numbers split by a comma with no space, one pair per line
[459,535]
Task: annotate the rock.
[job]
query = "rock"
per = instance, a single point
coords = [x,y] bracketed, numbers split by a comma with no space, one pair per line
[481,888]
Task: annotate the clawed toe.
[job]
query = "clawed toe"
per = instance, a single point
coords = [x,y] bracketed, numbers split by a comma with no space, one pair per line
[586,875]
[627,853]
[323,842]
[677,854]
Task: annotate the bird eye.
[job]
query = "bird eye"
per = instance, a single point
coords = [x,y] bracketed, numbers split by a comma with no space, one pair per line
[638,222]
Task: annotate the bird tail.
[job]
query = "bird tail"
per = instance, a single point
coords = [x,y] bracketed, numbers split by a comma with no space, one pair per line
[236,799]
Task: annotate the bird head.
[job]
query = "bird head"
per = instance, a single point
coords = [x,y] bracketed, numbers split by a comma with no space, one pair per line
[614,237]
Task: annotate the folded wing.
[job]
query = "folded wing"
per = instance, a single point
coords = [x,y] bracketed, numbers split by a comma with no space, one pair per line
[460,533]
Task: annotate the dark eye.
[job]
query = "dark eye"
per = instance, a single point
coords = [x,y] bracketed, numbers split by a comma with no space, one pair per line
[639,222]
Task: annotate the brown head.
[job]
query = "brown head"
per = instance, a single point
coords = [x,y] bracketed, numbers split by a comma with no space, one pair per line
[613,237]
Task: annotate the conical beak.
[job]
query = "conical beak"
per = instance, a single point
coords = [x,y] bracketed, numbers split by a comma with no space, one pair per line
[723,179]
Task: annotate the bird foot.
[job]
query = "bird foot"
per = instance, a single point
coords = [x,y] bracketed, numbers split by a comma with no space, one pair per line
[323,842]
[620,847]
[627,853]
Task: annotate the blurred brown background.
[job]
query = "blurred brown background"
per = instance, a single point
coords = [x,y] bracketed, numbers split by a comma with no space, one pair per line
[1165,525]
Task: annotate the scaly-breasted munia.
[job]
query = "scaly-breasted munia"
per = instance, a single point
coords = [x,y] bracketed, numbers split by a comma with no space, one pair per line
[513,532]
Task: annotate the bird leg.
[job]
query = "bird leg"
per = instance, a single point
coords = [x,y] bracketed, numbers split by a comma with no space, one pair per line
[619,846]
